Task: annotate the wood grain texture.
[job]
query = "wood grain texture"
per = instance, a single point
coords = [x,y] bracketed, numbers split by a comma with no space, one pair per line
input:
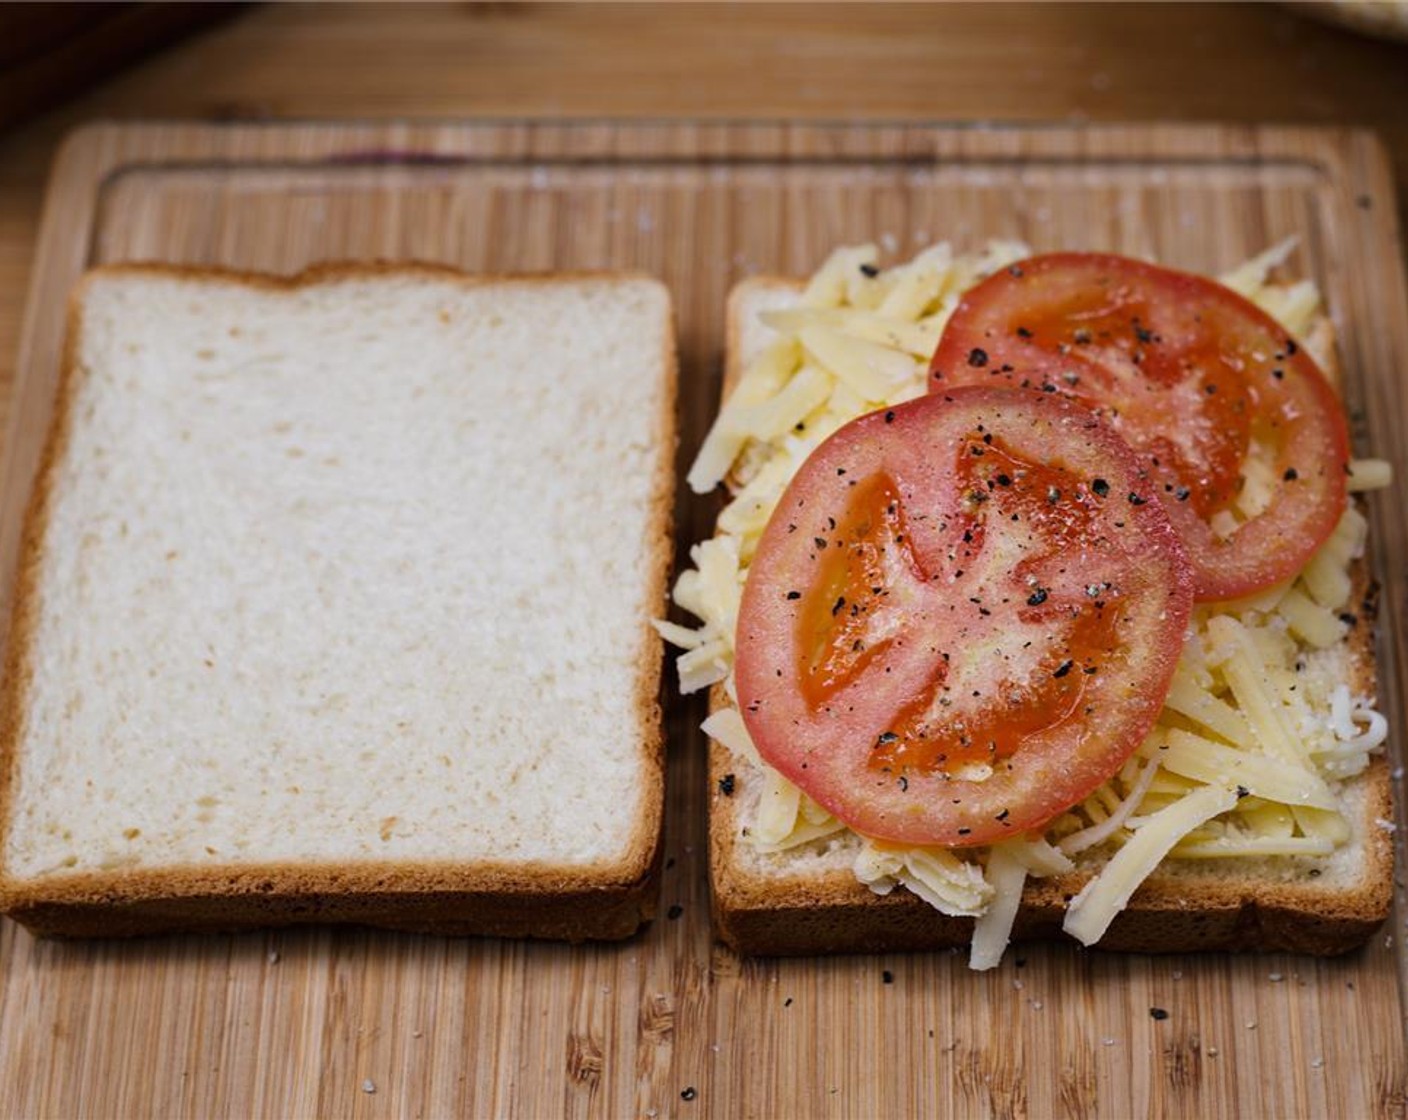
[995,62]
[51,51]
[318,1022]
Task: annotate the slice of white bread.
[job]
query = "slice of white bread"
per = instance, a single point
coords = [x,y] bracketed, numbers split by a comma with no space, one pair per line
[807,900]
[334,606]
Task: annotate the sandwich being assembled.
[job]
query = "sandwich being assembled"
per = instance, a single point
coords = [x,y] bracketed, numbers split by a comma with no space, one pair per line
[1038,605]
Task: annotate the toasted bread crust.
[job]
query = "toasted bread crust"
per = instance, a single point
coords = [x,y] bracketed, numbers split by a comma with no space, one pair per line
[835,913]
[602,902]
[796,915]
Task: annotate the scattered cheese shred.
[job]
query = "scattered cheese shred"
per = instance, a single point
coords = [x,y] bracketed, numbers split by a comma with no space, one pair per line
[1370,474]
[993,930]
[1258,728]
[1091,911]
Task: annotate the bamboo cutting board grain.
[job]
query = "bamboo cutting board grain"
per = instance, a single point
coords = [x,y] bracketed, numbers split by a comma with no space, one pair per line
[352,1023]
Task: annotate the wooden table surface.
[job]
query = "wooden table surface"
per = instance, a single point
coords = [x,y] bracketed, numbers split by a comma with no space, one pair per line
[1009,62]
[1066,63]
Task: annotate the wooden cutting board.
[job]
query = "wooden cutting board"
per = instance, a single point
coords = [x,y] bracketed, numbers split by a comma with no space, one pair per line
[354,1023]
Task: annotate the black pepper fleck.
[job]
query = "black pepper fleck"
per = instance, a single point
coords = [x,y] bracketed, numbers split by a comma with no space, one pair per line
[977,356]
[869,270]
[726,785]
[1100,487]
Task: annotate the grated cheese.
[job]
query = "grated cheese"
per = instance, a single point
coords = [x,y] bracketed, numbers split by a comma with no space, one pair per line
[993,930]
[1090,913]
[1256,702]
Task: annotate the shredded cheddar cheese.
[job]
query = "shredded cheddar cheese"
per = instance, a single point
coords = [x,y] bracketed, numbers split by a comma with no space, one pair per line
[1259,729]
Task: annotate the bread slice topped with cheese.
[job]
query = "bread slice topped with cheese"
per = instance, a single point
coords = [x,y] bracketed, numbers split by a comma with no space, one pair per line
[325,616]
[1252,812]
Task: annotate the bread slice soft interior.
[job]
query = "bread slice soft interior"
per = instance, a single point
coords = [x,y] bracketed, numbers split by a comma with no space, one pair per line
[334,606]
[807,900]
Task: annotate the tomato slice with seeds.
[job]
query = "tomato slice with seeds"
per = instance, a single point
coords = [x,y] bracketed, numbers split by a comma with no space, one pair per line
[963,616]
[1236,424]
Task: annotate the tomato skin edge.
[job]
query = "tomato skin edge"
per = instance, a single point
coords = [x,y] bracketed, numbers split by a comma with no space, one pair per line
[975,820]
[1265,550]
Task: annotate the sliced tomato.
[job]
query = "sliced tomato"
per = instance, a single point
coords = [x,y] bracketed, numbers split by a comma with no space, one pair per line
[962,617]
[1206,387]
